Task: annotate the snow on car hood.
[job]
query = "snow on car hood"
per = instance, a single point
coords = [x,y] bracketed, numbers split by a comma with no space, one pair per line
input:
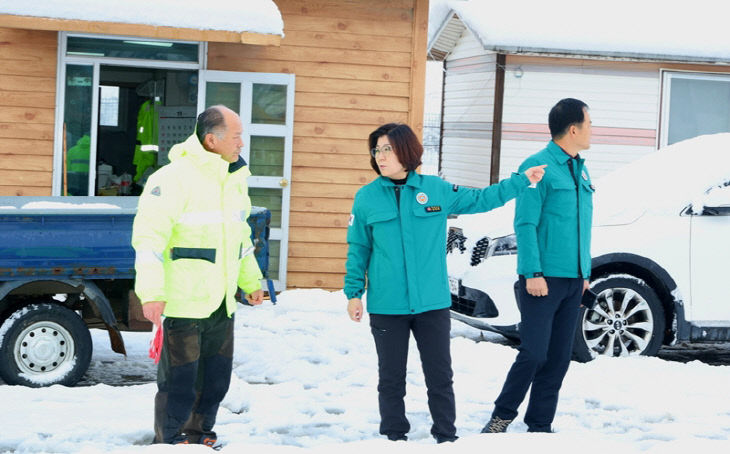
[663,182]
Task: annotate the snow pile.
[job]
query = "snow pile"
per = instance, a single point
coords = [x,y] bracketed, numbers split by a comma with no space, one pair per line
[260,16]
[305,380]
[48,205]
[648,27]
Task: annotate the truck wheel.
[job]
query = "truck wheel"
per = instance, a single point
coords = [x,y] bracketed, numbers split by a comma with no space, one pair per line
[627,320]
[44,344]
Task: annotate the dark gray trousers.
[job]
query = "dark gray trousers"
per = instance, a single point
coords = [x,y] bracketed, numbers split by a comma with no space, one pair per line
[193,375]
[546,345]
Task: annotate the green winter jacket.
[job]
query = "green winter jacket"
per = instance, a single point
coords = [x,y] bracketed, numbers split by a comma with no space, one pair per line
[145,151]
[553,220]
[192,241]
[402,248]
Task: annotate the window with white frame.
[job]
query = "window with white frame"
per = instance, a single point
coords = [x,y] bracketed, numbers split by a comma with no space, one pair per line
[694,104]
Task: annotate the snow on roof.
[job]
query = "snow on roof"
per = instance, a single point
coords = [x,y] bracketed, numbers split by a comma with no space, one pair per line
[655,29]
[260,16]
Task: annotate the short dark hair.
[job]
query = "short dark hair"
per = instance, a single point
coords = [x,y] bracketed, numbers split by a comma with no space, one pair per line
[564,114]
[210,121]
[405,144]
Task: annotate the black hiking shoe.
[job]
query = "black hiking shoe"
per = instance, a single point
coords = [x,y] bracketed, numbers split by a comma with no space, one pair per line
[444,438]
[180,439]
[496,425]
[397,437]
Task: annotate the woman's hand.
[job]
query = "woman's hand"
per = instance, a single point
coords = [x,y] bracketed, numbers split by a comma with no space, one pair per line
[535,174]
[354,309]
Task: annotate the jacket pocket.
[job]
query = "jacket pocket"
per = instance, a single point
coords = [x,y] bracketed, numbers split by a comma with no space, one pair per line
[207,254]
[381,216]
[192,279]
[563,198]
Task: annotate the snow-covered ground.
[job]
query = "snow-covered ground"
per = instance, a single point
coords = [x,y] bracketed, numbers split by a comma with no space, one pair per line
[305,381]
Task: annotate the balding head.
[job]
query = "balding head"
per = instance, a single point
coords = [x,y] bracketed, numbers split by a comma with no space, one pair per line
[219,130]
[212,121]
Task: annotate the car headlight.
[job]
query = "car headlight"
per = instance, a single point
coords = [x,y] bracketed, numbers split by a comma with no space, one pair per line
[505,245]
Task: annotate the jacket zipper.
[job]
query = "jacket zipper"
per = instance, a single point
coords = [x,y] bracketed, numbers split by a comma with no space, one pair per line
[403,243]
[577,203]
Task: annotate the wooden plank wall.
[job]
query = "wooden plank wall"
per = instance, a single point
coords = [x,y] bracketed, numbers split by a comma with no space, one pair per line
[355,69]
[27,99]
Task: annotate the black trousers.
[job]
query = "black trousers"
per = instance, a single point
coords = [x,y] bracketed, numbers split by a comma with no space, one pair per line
[193,375]
[547,330]
[432,331]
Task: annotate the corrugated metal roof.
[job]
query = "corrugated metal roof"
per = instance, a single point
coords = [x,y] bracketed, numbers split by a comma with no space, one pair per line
[446,38]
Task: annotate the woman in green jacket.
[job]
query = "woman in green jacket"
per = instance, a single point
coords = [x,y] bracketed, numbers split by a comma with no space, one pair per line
[397,239]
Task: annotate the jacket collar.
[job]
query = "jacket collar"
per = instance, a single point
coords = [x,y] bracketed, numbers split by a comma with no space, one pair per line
[558,154]
[414,180]
[232,167]
[205,160]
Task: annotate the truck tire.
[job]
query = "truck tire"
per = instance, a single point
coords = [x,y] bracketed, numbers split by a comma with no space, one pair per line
[44,344]
[627,320]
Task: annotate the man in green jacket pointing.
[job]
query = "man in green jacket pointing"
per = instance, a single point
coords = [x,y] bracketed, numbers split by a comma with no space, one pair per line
[553,229]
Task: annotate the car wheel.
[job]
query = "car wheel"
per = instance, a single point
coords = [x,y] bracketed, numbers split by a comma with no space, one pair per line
[627,320]
[44,344]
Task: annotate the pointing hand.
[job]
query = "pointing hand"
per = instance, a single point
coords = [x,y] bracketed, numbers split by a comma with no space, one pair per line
[535,174]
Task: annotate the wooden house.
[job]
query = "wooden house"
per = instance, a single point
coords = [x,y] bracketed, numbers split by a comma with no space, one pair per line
[309,91]
[652,74]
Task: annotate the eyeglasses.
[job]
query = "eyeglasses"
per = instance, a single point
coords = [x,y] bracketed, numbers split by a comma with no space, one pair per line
[385,150]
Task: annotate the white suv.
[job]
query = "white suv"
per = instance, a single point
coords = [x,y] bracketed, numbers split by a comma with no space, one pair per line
[660,248]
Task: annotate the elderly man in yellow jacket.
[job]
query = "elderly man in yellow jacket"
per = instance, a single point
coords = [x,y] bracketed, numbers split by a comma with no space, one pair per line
[193,252]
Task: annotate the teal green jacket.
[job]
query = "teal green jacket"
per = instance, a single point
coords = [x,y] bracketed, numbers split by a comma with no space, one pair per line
[553,219]
[402,248]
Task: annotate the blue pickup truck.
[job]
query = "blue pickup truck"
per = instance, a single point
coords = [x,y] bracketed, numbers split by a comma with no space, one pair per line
[67,265]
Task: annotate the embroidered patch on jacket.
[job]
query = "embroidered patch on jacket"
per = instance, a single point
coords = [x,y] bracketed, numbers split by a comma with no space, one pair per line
[352,219]
[455,188]
[156,191]
[421,198]
[433,209]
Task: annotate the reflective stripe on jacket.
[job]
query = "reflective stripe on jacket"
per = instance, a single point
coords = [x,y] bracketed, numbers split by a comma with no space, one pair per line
[553,220]
[191,236]
[402,248]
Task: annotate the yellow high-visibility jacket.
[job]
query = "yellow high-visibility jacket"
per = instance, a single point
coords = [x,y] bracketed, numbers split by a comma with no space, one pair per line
[190,235]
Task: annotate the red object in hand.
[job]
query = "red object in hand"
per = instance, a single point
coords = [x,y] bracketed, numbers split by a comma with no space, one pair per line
[156,344]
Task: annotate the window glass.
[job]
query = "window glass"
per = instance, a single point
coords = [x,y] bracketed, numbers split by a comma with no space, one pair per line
[698,106]
[224,93]
[274,252]
[132,48]
[109,106]
[269,104]
[267,156]
[77,127]
[268,198]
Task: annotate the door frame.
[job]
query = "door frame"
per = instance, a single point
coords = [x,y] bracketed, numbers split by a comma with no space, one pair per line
[247,79]
[97,62]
